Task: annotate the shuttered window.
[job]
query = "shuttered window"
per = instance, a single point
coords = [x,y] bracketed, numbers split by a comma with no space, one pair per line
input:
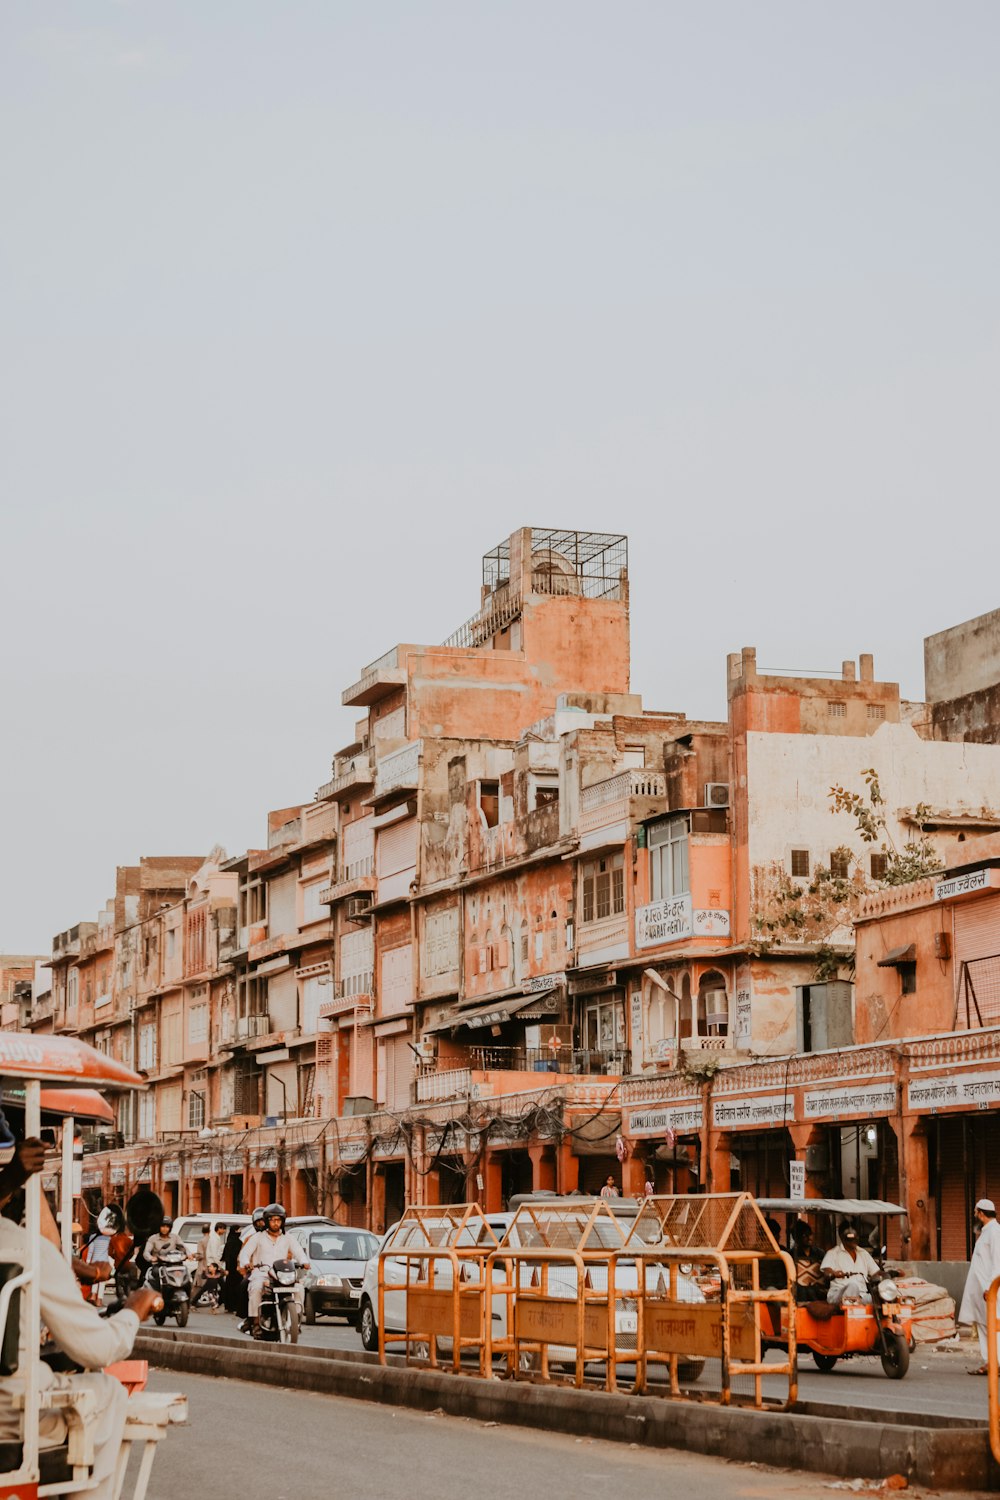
[397,980]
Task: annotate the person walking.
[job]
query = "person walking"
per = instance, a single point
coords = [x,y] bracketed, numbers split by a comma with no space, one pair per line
[984,1268]
[232,1289]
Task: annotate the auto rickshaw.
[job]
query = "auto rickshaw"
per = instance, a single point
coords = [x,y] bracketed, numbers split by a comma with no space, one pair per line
[880,1329]
[26,1470]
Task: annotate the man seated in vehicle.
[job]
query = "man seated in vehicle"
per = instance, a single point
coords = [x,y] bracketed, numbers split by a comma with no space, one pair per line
[849,1265]
[810,1281]
[261,1252]
[77,1329]
[159,1244]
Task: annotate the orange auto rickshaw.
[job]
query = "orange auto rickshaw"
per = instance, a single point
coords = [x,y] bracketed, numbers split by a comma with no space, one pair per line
[881,1328]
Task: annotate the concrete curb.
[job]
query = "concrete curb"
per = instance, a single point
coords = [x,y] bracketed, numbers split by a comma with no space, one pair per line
[938,1457]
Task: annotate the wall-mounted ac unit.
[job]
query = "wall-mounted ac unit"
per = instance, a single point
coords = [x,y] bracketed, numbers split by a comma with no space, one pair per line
[717,794]
[359,908]
[427,1048]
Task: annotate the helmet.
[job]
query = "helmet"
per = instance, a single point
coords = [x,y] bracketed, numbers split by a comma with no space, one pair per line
[8,1145]
[258,1216]
[111,1220]
[167,1222]
[275,1210]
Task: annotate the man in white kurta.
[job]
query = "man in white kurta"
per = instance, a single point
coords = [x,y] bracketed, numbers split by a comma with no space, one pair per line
[264,1250]
[984,1268]
[849,1266]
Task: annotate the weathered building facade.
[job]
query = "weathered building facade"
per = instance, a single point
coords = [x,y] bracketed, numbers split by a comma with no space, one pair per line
[529,933]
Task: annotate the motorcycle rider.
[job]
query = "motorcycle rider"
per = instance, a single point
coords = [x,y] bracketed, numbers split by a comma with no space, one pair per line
[261,1252]
[850,1266]
[159,1244]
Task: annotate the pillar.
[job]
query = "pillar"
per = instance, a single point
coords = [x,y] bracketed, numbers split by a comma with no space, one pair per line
[804,1135]
[493,1182]
[567,1168]
[633,1176]
[543,1168]
[914,1186]
[377,1205]
[717,1148]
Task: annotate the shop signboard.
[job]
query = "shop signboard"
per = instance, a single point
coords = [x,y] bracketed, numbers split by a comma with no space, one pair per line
[862,1099]
[666,921]
[682,1119]
[974,1090]
[757,1109]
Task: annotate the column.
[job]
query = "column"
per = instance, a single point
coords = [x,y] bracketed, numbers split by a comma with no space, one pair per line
[543,1168]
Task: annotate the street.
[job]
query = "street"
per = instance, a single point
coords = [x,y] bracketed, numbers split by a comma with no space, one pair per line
[936,1383]
[265,1443]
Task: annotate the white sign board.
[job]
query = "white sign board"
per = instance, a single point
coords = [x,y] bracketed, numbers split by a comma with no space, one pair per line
[962,885]
[863,1099]
[666,921]
[979,1089]
[682,1119]
[762,1109]
[743,1025]
[796,1179]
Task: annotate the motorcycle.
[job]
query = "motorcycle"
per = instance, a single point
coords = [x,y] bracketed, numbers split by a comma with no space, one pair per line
[171,1277]
[279,1307]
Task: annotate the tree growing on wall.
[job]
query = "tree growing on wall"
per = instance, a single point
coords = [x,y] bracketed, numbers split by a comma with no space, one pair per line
[915,860]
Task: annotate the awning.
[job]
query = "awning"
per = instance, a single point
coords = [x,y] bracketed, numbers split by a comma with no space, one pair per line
[495,1012]
[905,955]
[850,1207]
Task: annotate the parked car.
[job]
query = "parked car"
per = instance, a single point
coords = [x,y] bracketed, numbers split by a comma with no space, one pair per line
[337,1256]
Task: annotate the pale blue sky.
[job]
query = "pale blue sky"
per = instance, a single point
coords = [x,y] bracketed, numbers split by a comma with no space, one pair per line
[304,306]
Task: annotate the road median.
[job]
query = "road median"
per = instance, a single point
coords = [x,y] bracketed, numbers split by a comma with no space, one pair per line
[863,1444]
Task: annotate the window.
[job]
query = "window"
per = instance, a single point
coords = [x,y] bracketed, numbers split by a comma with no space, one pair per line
[147,1115]
[254,895]
[603,888]
[840,864]
[836,710]
[198,1022]
[546,795]
[147,1048]
[171,941]
[489,802]
[313,909]
[171,1027]
[876,710]
[907,978]
[524,943]
[668,854]
[195,944]
[196,1110]
[879,866]
[800,864]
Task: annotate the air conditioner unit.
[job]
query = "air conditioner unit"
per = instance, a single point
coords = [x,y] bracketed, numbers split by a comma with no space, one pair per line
[359,907]
[717,794]
[427,1048]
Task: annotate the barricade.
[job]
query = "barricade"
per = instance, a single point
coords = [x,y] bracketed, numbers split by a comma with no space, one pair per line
[699,1297]
[555,1293]
[432,1284]
[992,1370]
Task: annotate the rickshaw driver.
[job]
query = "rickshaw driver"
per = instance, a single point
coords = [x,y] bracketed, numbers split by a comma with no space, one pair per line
[850,1265]
[80,1332]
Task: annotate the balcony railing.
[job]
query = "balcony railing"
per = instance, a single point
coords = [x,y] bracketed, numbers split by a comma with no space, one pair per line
[608,804]
[449,1083]
[385,671]
[549,1060]
[245,1028]
[398,771]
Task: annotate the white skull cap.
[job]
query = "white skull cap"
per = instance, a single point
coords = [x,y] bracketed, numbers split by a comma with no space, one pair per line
[987,1205]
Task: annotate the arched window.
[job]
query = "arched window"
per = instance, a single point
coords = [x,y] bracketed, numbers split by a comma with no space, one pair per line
[713,1004]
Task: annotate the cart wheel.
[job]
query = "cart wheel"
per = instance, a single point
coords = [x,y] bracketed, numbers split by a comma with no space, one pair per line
[824,1362]
[895,1356]
[689,1370]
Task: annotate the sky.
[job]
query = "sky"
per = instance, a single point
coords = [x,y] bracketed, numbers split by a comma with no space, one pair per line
[304,307]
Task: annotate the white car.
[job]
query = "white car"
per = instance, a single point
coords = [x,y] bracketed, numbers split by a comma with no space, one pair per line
[562,1282]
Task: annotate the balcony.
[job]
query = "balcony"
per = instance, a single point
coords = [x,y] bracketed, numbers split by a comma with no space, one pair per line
[447,1084]
[353,772]
[354,994]
[349,884]
[377,679]
[544,1060]
[235,1030]
[398,772]
[609,807]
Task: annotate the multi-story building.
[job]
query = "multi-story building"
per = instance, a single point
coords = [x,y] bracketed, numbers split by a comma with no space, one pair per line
[530,932]
[17,980]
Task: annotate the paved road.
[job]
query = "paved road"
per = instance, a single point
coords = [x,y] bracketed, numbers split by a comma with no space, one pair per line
[936,1383]
[262,1443]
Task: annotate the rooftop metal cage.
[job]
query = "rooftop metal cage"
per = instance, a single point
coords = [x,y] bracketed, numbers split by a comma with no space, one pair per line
[597,559]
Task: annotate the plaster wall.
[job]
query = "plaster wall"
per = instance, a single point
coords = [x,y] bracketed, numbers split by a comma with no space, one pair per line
[963,659]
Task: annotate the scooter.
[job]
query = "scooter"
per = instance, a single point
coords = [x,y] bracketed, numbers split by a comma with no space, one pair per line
[279,1308]
[171,1277]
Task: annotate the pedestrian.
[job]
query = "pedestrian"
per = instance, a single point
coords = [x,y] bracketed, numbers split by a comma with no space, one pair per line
[609,1190]
[984,1268]
[232,1290]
